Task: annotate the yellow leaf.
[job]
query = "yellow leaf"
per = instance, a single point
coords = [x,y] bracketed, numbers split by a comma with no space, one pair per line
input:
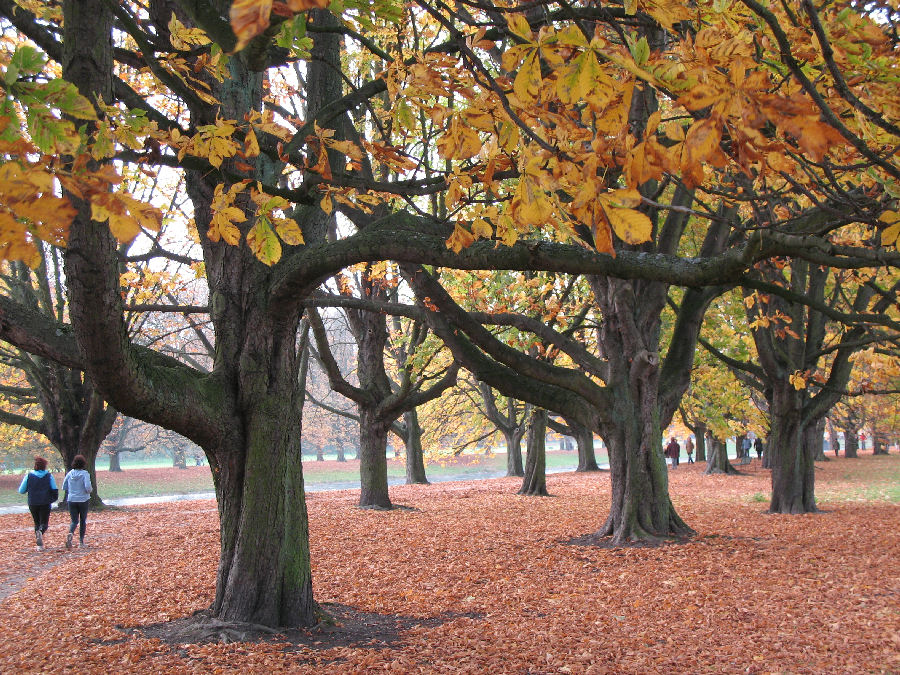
[289,231]
[460,239]
[481,228]
[263,242]
[251,145]
[632,227]
[527,84]
[326,204]
[797,380]
[518,25]
[249,18]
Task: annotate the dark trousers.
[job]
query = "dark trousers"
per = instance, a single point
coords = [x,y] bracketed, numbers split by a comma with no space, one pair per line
[41,516]
[78,514]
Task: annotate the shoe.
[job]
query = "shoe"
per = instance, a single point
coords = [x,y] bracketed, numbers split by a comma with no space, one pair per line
[81,544]
[39,538]
[69,541]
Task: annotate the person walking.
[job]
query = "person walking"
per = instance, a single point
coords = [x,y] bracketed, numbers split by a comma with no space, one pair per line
[672,451]
[689,449]
[77,485]
[758,446]
[745,447]
[42,492]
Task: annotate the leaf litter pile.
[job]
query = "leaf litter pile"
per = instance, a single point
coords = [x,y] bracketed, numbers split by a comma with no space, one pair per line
[475,579]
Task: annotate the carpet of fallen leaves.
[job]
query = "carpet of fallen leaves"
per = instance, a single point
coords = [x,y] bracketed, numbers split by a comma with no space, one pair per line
[484,582]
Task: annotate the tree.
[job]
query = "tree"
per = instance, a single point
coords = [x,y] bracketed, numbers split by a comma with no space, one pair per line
[73,416]
[575,149]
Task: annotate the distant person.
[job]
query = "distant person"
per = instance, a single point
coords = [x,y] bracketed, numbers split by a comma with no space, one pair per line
[758,446]
[745,446]
[672,451]
[77,485]
[689,449]
[42,492]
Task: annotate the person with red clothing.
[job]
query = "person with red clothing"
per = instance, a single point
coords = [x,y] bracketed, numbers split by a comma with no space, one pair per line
[673,450]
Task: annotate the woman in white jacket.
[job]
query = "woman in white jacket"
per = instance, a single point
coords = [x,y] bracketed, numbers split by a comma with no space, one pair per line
[77,485]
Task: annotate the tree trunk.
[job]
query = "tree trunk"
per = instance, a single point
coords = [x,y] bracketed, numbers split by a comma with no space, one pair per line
[535,481]
[415,457]
[584,438]
[179,461]
[340,453]
[513,440]
[833,437]
[718,458]
[320,454]
[372,461]
[264,568]
[879,441]
[247,413]
[115,465]
[700,446]
[792,464]
[851,443]
[813,435]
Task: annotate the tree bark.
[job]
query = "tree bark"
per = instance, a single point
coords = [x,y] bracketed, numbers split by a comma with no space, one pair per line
[373,461]
[851,442]
[534,483]
[584,439]
[246,413]
[700,446]
[115,465]
[415,457]
[513,438]
[792,463]
[813,436]
[718,458]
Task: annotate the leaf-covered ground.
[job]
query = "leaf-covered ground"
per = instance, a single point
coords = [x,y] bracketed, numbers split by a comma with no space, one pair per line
[476,579]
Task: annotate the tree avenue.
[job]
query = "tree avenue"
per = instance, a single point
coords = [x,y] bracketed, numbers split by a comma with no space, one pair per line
[644,145]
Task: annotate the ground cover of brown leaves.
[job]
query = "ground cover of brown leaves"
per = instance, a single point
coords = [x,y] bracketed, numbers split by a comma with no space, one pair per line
[476,579]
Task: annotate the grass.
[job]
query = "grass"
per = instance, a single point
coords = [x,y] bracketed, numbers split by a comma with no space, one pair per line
[150,478]
[869,478]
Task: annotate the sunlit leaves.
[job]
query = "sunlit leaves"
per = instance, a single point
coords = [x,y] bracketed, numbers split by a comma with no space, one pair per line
[125,215]
[249,18]
[891,234]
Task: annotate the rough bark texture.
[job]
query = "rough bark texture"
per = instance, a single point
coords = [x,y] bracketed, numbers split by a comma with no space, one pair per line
[792,464]
[244,413]
[415,457]
[718,458]
[535,481]
[851,442]
[513,438]
[584,439]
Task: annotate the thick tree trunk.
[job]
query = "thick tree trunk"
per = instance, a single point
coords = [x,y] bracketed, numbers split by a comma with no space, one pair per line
[813,435]
[584,438]
[340,453]
[700,446]
[115,464]
[513,440]
[879,442]
[246,413]
[320,454]
[264,567]
[792,464]
[851,443]
[535,481]
[415,457]
[718,458]
[372,461]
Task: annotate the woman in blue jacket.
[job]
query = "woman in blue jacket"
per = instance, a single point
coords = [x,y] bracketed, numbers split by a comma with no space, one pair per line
[77,485]
[41,490]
